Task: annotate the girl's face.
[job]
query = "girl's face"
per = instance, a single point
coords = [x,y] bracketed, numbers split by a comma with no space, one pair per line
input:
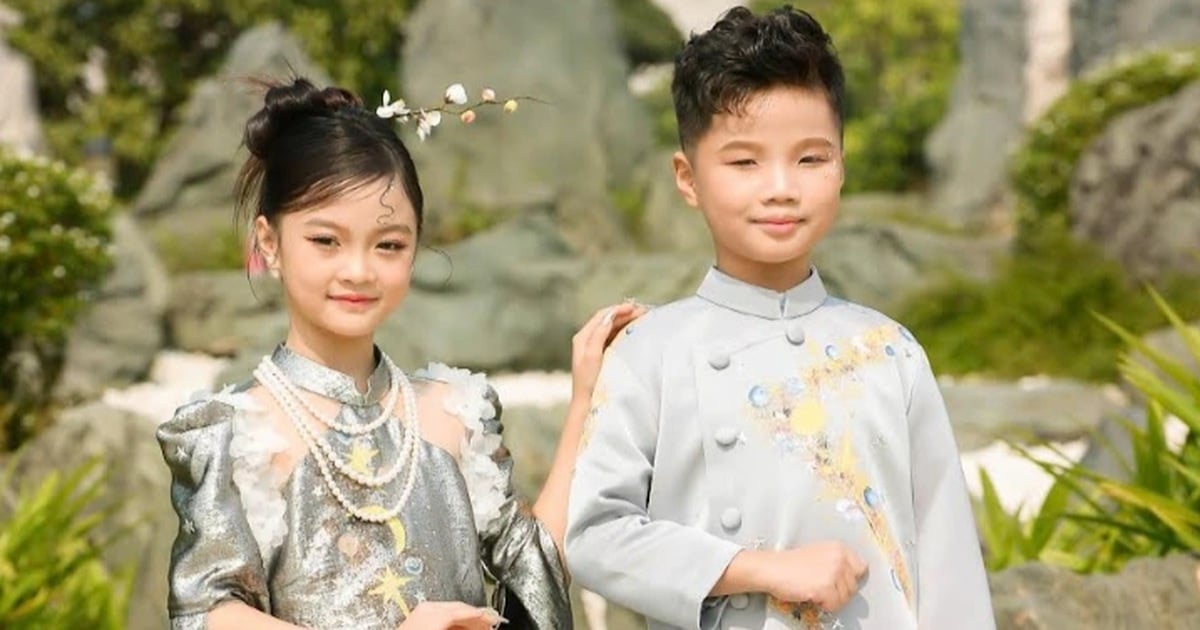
[347,264]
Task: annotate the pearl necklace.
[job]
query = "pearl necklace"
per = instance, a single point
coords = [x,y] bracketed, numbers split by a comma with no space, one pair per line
[409,450]
[331,420]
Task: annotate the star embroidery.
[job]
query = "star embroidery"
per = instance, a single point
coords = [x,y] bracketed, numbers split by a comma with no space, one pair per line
[361,457]
[189,527]
[837,624]
[391,590]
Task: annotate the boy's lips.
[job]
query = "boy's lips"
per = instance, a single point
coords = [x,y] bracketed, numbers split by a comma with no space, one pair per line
[352,298]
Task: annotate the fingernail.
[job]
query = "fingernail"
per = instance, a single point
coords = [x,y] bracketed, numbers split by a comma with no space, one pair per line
[609,314]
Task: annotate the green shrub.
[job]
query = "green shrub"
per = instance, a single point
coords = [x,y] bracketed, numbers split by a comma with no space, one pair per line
[54,240]
[1042,167]
[1092,522]
[900,57]
[1033,317]
[51,574]
[220,249]
[154,50]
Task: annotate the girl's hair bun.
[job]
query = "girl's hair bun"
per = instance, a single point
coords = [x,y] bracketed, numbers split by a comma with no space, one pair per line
[284,104]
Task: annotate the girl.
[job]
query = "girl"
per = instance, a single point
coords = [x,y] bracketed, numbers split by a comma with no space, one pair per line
[333,490]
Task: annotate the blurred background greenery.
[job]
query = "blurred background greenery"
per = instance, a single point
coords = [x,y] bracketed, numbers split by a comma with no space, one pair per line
[1021,231]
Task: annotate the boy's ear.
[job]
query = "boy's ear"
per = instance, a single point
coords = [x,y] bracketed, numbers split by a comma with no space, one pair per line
[684,179]
[267,241]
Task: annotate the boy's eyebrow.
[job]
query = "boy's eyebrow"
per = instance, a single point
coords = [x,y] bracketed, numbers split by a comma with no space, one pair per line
[750,144]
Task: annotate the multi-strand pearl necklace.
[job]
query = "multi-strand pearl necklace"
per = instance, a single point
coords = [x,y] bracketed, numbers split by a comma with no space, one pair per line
[294,406]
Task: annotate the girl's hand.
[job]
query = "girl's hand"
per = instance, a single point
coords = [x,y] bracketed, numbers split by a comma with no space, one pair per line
[587,347]
[451,616]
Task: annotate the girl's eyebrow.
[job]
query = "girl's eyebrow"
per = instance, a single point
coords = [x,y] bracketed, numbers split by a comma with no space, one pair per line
[392,227]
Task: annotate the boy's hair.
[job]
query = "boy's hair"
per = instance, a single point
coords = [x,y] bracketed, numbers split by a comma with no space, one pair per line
[743,54]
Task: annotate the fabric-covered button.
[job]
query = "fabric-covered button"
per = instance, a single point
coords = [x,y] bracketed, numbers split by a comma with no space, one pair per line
[726,436]
[718,360]
[795,333]
[739,601]
[731,518]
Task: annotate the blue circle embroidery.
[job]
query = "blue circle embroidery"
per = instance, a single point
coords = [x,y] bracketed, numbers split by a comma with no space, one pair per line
[794,386]
[831,352]
[891,352]
[759,396]
[907,335]
[872,497]
[414,566]
[896,581]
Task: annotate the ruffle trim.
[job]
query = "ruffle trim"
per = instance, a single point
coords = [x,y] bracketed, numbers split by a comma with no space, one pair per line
[260,486]
[468,400]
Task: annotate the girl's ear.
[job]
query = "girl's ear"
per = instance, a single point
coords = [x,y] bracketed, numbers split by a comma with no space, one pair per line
[266,240]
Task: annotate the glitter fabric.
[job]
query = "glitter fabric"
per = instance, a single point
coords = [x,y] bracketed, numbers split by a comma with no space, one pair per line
[327,569]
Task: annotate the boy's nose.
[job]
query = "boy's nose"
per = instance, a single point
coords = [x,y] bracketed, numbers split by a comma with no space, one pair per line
[784,185]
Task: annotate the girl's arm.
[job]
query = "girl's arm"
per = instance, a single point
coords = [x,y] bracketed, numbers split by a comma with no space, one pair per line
[587,354]
[236,615]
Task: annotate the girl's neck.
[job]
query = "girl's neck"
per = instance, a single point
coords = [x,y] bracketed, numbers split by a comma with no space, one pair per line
[354,357]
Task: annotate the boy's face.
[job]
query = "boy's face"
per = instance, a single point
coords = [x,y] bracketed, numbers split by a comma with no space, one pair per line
[768,181]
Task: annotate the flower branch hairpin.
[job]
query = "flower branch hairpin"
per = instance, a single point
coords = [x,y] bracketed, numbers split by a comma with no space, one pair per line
[454,102]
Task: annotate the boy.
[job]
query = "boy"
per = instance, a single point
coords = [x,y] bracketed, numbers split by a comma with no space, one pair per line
[762,455]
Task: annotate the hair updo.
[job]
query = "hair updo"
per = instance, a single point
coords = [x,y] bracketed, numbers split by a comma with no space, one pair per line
[309,145]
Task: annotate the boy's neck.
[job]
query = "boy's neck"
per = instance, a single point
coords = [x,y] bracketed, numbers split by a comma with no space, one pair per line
[352,357]
[778,277]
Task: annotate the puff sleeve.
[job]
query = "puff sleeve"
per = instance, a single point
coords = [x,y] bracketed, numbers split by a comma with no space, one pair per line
[215,557]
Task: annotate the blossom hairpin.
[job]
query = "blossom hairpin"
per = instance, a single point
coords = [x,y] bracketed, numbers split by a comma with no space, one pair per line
[454,101]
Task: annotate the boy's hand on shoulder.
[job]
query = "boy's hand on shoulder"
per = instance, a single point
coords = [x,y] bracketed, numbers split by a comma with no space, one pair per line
[825,573]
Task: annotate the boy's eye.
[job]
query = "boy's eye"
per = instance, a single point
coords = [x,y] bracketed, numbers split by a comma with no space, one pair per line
[744,162]
[392,246]
[815,158]
[323,241]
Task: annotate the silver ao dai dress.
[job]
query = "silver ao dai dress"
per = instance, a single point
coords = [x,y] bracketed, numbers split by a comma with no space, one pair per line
[279,541]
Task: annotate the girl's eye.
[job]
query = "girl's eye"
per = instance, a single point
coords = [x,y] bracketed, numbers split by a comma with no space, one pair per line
[323,241]
[817,158]
[392,246]
[746,162]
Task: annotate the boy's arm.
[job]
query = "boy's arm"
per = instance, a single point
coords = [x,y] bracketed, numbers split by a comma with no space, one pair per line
[952,583]
[661,569]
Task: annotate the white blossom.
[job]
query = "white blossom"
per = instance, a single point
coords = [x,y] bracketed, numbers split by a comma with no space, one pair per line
[456,94]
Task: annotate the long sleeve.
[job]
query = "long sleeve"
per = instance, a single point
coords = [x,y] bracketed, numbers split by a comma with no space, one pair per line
[662,569]
[952,582]
[517,552]
[215,557]
[522,556]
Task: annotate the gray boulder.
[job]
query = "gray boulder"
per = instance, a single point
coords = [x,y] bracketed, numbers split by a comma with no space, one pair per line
[1103,28]
[969,149]
[115,340]
[20,125]
[221,312]
[190,191]
[1036,410]
[1148,593]
[1134,191]
[137,481]
[565,154]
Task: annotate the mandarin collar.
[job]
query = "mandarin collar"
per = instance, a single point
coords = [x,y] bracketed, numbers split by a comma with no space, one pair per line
[326,381]
[728,292]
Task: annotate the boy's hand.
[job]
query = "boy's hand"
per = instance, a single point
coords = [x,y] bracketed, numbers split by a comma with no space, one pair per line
[826,574]
[587,347]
